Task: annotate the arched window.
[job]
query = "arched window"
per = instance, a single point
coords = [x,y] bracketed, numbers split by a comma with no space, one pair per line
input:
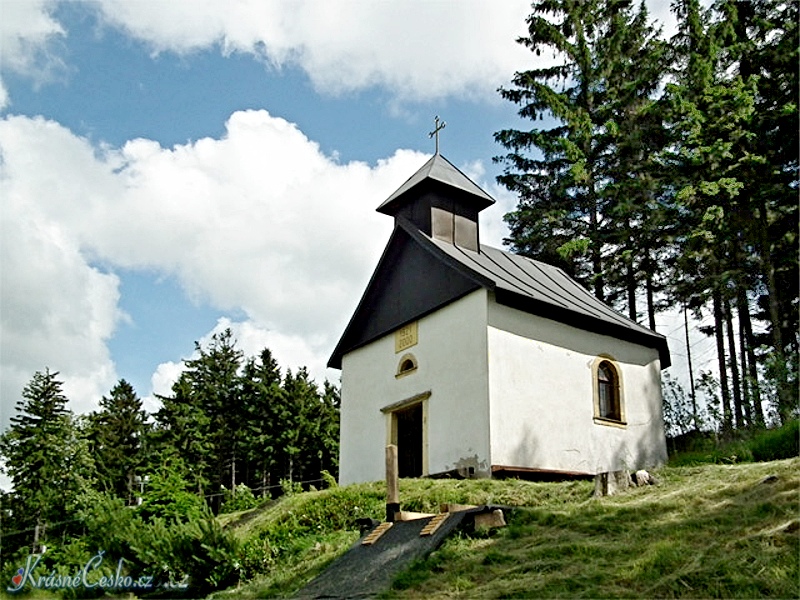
[408,364]
[608,392]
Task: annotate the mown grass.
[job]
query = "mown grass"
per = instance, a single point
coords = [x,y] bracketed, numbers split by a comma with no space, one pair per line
[286,544]
[705,531]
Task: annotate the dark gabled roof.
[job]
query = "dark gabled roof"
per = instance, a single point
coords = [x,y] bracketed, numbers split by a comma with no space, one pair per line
[418,274]
[438,168]
[547,291]
[412,279]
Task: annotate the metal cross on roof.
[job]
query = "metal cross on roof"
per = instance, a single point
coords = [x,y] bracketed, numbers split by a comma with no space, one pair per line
[435,133]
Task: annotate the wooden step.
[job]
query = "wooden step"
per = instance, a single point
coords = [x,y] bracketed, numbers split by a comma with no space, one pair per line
[434,524]
[374,535]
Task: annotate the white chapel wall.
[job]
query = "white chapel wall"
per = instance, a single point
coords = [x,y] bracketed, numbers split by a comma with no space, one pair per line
[452,366]
[542,400]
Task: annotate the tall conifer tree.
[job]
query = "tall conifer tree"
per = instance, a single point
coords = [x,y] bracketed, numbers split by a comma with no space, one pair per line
[117,435]
[45,455]
[596,93]
[262,396]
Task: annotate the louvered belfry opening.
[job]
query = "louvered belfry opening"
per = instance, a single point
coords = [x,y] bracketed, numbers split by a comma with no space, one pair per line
[441,202]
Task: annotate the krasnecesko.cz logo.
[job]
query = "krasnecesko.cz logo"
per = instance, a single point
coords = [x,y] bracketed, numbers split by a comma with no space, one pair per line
[85,577]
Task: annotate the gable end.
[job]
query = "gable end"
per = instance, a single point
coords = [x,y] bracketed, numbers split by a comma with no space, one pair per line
[410,281]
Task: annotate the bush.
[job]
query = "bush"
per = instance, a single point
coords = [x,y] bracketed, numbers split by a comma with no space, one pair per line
[308,516]
[328,479]
[777,444]
[764,445]
[168,497]
[241,498]
[290,488]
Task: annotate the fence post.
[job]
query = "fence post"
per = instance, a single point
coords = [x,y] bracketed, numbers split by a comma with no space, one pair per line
[392,484]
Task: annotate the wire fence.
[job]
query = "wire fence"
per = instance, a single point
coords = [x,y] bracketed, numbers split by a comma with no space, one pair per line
[4,534]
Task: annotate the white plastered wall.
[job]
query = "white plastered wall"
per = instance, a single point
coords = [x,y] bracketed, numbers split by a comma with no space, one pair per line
[542,399]
[452,366]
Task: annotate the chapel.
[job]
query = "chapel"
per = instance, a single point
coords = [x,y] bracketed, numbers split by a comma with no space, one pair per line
[477,362]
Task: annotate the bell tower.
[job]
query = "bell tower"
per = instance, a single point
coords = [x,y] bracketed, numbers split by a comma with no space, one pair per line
[441,202]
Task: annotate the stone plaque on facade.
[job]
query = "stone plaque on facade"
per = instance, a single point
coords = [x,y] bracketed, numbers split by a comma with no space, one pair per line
[405,337]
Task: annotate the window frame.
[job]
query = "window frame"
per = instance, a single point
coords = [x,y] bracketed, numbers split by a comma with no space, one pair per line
[408,357]
[606,362]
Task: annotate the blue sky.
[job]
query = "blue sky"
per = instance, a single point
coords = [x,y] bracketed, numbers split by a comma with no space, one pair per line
[170,169]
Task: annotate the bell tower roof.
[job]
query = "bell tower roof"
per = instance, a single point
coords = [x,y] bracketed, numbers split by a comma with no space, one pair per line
[437,169]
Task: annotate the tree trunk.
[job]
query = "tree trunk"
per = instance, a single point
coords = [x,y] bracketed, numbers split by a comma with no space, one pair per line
[752,365]
[734,364]
[746,383]
[784,393]
[749,344]
[630,280]
[691,371]
[727,422]
[264,480]
[651,304]
[596,246]
[36,534]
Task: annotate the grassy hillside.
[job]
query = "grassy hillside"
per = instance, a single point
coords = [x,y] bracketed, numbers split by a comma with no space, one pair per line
[706,531]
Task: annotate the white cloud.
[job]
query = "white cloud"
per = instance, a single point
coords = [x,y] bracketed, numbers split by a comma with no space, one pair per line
[27,33]
[259,222]
[493,229]
[290,350]
[57,310]
[416,48]
[165,375]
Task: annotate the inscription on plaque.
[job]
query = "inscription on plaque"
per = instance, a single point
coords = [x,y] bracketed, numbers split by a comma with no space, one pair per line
[405,337]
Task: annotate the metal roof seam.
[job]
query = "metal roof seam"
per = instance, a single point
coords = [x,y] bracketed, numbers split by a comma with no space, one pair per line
[582,296]
[550,293]
[620,318]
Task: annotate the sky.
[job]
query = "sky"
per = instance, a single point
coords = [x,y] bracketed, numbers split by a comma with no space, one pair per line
[172,169]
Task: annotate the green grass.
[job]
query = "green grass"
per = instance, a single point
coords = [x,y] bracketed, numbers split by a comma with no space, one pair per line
[704,531]
[741,446]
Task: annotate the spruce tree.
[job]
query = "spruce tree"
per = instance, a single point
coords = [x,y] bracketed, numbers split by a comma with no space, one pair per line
[328,430]
[637,220]
[595,98]
[182,434]
[46,456]
[300,426]
[216,383]
[707,115]
[761,46]
[117,434]
[735,193]
[262,397]
[201,422]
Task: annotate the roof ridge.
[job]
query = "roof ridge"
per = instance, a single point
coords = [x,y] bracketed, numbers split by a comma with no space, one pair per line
[438,168]
[575,285]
